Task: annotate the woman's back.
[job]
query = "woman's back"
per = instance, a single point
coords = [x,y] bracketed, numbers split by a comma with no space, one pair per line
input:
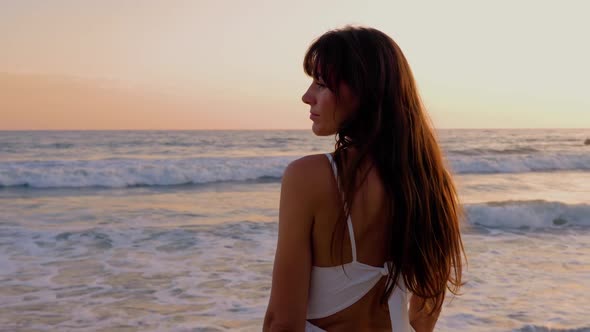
[370,231]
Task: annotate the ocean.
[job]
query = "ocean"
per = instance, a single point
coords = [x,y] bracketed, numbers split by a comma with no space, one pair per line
[176,230]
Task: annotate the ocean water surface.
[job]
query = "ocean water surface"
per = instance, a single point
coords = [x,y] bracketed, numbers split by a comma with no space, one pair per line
[176,230]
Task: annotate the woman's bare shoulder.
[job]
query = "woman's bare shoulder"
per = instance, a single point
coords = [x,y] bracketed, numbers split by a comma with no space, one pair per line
[309,165]
[310,171]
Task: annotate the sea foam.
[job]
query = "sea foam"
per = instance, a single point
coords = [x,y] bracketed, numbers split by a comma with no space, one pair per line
[118,173]
[537,214]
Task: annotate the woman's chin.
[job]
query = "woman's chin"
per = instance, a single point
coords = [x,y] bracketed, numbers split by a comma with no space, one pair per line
[319,131]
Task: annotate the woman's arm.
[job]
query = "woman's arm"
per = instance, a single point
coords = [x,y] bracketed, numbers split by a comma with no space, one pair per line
[422,320]
[287,307]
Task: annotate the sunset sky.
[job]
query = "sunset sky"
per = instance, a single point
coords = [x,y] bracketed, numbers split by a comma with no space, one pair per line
[224,64]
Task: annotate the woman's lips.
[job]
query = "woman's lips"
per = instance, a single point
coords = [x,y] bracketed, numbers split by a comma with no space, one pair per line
[313,115]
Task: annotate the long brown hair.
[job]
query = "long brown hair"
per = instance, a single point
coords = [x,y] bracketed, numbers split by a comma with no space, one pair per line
[391,130]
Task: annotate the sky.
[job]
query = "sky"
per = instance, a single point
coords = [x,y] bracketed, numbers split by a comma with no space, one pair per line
[223,64]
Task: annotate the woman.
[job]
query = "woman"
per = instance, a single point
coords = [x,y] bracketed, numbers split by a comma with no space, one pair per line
[378,219]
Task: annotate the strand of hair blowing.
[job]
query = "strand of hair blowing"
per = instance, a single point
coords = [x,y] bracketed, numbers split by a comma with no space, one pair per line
[391,130]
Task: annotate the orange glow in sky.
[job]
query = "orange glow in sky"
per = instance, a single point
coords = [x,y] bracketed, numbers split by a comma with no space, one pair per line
[237,64]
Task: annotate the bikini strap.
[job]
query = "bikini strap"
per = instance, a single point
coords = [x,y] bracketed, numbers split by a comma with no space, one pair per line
[349,220]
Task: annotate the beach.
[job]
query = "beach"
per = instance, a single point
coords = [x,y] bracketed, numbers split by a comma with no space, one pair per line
[176,230]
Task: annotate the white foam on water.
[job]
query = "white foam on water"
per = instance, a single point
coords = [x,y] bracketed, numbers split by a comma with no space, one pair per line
[170,279]
[118,173]
[219,277]
[520,163]
[536,214]
[551,328]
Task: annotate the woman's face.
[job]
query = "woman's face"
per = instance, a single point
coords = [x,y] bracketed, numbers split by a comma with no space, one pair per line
[326,112]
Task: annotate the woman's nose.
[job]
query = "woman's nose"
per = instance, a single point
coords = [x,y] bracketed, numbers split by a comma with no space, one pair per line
[307,98]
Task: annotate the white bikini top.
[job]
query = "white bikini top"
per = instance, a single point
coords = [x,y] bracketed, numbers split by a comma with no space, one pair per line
[335,288]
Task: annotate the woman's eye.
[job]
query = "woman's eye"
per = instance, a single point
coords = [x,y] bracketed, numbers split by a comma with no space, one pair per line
[320,85]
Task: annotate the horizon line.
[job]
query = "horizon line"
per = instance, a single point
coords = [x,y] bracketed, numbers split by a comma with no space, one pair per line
[290,129]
